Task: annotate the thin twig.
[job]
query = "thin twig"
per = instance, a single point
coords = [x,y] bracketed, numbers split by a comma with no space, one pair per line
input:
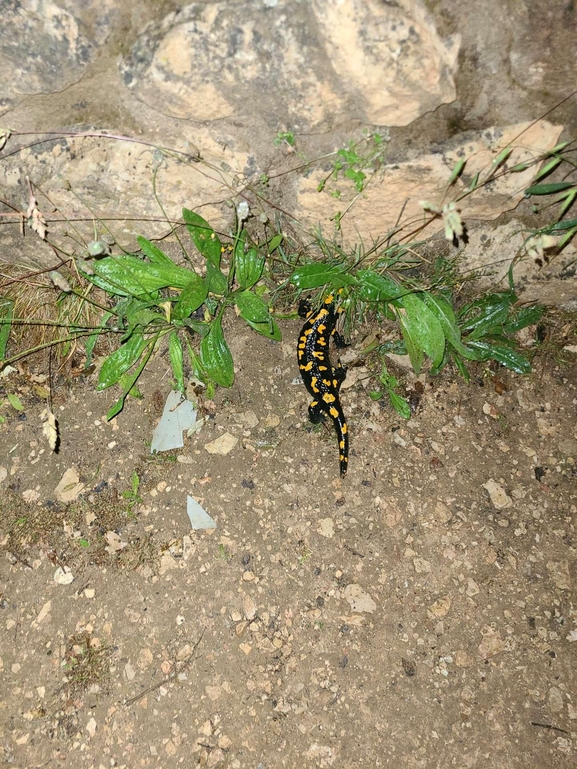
[169,678]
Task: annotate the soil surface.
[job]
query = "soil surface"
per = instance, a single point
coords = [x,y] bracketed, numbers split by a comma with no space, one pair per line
[417,614]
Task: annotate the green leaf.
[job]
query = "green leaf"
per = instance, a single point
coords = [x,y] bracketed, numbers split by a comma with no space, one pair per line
[445,314]
[274,243]
[501,158]
[566,238]
[6,315]
[474,181]
[269,329]
[566,225]
[547,168]
[251,307]
[549,189]
[216,281]
[176,359]
[121,360]
[414,350]
[154,253]
[248,266]
[191,298]
[456,172]
[215,356]
[203,236]
[568,198]
[486,315]
[127,275]
[15,402]
[524,317]
[400,405]
[463,371]
[425,329]
[374,287]
[507,357]
[315,275]
[130,381]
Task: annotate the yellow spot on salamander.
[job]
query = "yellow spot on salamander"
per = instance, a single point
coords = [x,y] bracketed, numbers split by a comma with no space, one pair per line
[344,428]
[322,368]
[322,341]
[314,381]
[302,344]
[308,367]
[319,355]
[327,382]
[307,332]
[321,329]
[333,412]
[329,398]
[342,445]
[322,313]
[343,458]
[335,383]
[330,299]
[301,353]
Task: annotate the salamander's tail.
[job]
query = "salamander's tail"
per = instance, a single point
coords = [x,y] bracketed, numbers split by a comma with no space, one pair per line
[343,438]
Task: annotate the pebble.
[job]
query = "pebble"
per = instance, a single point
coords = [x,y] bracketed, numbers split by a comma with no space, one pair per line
[248,576]
[440,608]
[497,495]
[326,528]
[359,600]
[222,445]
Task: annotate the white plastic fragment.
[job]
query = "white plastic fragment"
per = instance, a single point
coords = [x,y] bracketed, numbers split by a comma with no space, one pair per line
[179,415]
[199,518]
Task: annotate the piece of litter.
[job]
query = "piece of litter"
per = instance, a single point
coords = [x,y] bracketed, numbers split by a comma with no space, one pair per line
[199,518]
[179,415]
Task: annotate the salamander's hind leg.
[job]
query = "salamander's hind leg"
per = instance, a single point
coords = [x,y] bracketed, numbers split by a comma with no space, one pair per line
[339,373]
[339,340]
[315,412]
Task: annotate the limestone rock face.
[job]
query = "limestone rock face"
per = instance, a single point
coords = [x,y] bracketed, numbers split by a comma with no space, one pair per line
[294,61]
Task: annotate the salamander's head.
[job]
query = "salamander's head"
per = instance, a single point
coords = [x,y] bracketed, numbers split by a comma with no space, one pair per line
[304,308]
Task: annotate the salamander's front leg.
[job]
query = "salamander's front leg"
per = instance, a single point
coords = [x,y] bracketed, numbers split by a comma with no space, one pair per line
[315,412]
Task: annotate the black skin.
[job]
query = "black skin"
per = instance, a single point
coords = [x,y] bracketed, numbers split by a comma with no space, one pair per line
[322,380]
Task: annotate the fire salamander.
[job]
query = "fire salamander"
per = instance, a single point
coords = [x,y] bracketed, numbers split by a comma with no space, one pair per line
[322,380]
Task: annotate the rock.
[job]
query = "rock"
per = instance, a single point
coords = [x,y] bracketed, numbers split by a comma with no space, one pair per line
[555,700]
[69,487]
[472,588]
[91,727]
[326,528]
[248,607]
[421,565]
[491,644]
[359,600]
[247,419]
[560,575]
[63,575]
[222,445]
[497,495]
[440,608]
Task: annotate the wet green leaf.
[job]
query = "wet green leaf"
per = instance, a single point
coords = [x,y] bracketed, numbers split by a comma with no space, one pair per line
[315,275]
[268,328]
[153,252]
[215,355]
[374,287]
[203,236]
[248,266]
[524,317]
[127,275]
[506,356]
[425,330]
[457,171]
[176,359]
[121,360]
[444,313]
[216,281]
[251,307]
[547,168]
[128,382]
[191,298]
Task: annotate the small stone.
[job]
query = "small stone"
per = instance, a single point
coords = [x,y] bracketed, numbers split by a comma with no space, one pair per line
[170,748]
[248,607]
[69,487]
[421,565]
[248,576]
[23,740]
[497,495]
[235,615]
[247,419]
[462,659]
[491,644]
[129,671]
[44,611]
[246,648]
[472,588]
[560,575]
[222,445]
[63,575]
[89,592]
[440,608]
[359,600]
[167,563]
[115,542]
[215,757]
[271,420]
[224,742]
[326,528]
[184,652]
[555,700]
[91,727]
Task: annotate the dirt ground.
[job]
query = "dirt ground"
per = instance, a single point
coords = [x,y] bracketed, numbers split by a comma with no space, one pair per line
[417,614]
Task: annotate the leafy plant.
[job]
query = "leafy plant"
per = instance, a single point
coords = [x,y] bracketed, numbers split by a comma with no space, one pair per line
[157,298]
[390,384]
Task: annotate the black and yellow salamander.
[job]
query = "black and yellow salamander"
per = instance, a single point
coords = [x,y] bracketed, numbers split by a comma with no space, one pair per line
[322,380]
